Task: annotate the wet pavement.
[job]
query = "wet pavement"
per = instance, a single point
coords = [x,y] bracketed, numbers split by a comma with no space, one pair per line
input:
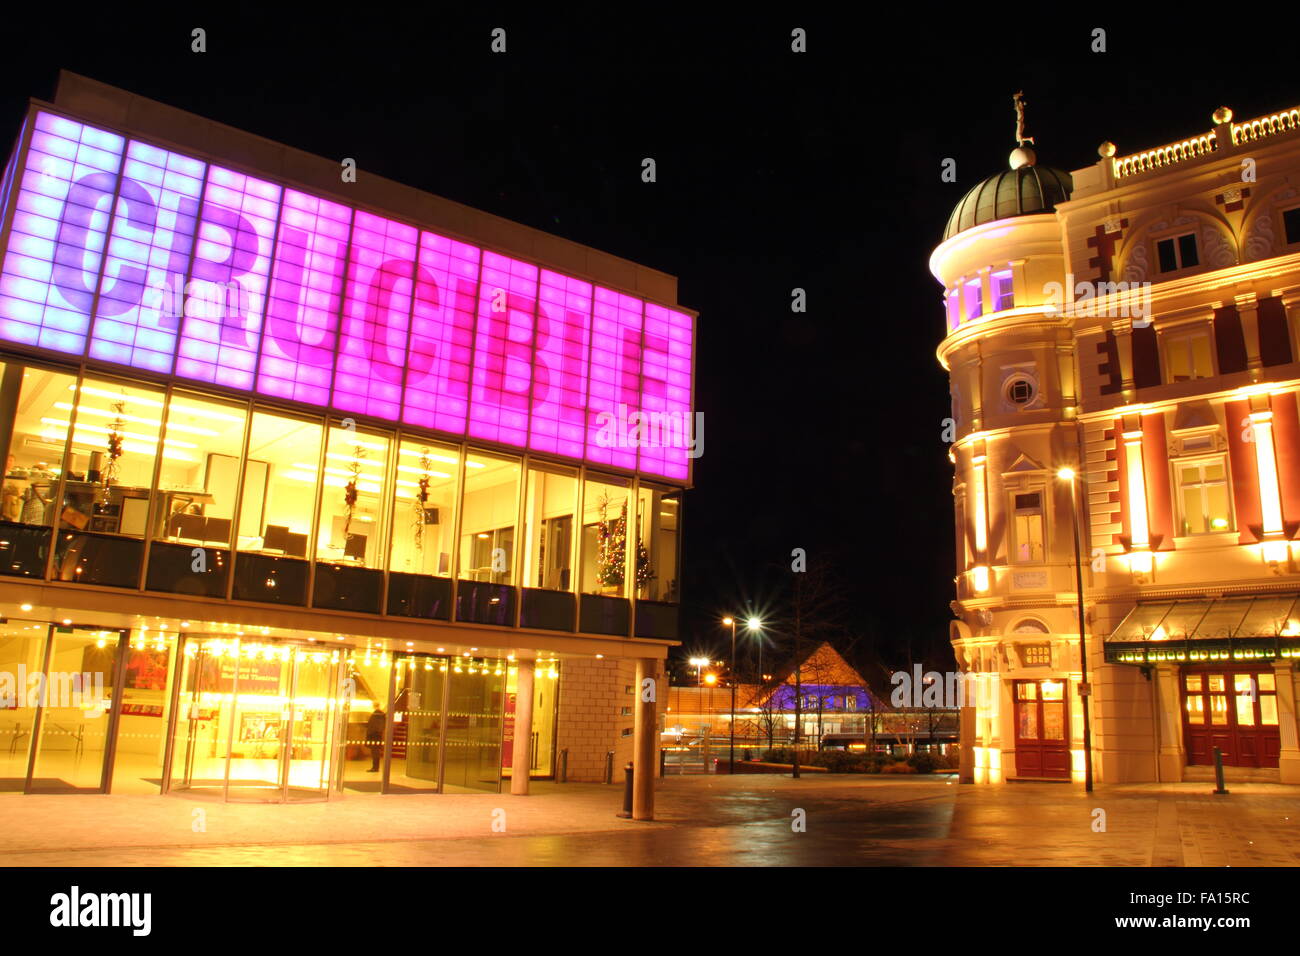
[700,821]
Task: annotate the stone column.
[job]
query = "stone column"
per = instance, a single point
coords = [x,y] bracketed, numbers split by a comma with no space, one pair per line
[966,741]
[1124,347]
[644,740]
[522,760]
[1289,759]
[1169,720]
[1248,310]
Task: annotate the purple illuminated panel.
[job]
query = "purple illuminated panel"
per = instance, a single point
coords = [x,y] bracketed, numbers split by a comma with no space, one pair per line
[209,274]
[666,392]
[376,314]
[503,350]
[141,293]
[442,335]
[614,383]
[306,290]
[227,286]
[558,422]
[47,286]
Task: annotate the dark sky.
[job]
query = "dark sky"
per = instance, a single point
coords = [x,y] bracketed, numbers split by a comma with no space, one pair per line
[776,170]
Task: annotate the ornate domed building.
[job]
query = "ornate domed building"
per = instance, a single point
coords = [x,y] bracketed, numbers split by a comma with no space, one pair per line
[1121,343]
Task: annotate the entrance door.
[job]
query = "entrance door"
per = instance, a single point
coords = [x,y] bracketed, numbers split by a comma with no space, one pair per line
[1042,729]
[1234,710]
[257,721]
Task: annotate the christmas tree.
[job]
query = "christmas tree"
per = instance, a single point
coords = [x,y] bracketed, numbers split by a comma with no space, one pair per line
[611,550]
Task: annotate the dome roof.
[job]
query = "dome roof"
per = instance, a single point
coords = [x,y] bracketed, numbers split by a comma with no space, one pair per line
[1016,192]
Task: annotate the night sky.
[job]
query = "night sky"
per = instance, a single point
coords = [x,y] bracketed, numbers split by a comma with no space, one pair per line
[775,170]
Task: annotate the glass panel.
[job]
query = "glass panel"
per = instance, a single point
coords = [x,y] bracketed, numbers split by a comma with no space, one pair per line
[34,460]
[74,722]
[311,721]
[276,509]
[1268,710]
[1193,518]
[1193,681]
[1027,691]
[474,713]
[1141,623]
[22,655]
[1183,619]
[488,523]
[1029,537]
[659,512]
[424,508]
[1218,709]
[1223,619]
[1267,681]
[202,715]
[1201,356]
[1196,710]
[363,739]
[352,517]
[1053,690]
[1028,721]
[542,743]
[146,703]
[1268,617]
[604,537]
[260,718]
[1054,721]
[1217,682]
[551,503]
[417,713]
[1245,706]
[1220,511]
[114,445]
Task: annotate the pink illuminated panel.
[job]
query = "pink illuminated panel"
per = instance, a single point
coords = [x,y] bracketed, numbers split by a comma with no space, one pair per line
[227,286]
[376,315]
[47,286]
[666,392]
[442,335]
[138,256]
[141,293]
[503,350]
[613,385]
[558,423]
[306,292]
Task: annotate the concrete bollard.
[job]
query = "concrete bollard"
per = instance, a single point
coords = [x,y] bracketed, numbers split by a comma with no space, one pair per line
[1218,772]
[627,792]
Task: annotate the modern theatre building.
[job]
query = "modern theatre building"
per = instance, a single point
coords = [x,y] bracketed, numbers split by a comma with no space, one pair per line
[1123,345]
[318,483]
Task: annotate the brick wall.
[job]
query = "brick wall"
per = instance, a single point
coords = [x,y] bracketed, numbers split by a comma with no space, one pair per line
[593,697]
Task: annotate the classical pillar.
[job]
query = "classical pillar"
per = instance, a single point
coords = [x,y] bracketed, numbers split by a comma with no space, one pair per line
[1289,759]
[1124,348]
[643,740]
[1248,311]
[1169,722]
[966,741]
[522,758]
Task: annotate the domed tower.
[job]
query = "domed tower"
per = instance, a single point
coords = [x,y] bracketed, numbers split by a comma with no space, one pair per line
[1009,352]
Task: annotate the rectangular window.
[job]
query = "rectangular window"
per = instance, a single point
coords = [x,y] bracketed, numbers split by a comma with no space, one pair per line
[424,508]
[352,503]
[953,303]
[656,557]
[974,305]
[491,501]
[1002,294]
[1189,357]
[1029,528]
[1177,252]
[604,537]
[1291,223]
[549,506]
[1203,502]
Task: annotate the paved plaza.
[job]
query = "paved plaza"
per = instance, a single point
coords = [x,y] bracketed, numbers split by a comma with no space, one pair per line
[701,821]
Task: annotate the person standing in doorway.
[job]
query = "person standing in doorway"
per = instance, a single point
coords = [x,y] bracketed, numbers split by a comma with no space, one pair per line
[375,738]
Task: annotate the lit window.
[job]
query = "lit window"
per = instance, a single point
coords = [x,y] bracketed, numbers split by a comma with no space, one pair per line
[1002,294]
[954,308]
[974,305]
[1189,357]
[1020,390]
[1177,252]
[1029,527]
[1203,497]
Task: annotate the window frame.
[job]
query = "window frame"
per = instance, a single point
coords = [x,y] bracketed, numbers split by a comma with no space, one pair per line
[1014,511]
[1200,461]
[1176,236]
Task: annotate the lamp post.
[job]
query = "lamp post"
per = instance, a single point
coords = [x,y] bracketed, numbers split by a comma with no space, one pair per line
[698,663]
[1068,474]
[731,762]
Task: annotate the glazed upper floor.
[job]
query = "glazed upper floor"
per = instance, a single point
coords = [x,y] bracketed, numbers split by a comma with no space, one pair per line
[139,237]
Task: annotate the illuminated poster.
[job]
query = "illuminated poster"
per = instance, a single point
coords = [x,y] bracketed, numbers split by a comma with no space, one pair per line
[138,256]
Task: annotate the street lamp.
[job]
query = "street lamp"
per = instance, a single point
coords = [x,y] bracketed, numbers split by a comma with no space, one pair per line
[698,663]
[752,624]
[1068,474]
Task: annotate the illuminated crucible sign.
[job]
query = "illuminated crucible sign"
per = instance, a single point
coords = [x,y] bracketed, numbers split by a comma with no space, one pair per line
[130,254]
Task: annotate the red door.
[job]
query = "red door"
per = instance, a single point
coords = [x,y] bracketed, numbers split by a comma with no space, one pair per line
[1042,729]
[1234,709]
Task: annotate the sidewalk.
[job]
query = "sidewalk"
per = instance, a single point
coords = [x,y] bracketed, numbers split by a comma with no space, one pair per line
[700,820]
